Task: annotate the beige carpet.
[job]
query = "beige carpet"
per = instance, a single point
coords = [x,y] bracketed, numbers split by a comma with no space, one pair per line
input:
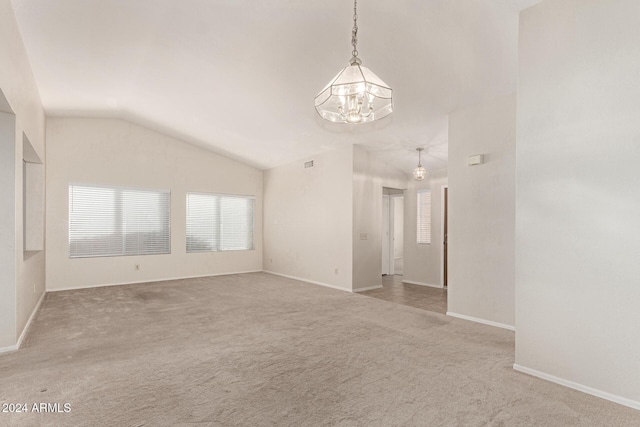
[259,350]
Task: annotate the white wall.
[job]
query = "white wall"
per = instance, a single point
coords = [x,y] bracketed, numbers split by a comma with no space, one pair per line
[8,251]
[370,174]
[423,263]
[115,152]
[18,87]
[33,206]
[308,219]
[578,204]
[482,212]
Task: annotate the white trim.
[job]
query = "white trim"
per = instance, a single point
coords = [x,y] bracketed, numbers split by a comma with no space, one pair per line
[442,233]
[388,241]
[411,282]
[10,348]
[576,386]
[370,288]
[28,324]
[391,237]
[313,282]
[484,322]
[151,281]
[17,345]
[392,230]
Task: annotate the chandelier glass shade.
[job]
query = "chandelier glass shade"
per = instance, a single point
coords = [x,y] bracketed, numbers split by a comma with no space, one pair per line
[356,94]
[419,173]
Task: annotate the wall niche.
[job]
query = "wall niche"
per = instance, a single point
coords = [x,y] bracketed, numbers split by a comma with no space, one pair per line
[33,197]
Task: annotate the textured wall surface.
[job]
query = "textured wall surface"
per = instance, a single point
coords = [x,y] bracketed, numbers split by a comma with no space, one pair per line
[482,212]
[578,234]
[18,92]
[115,152]
[423,264]
[370,174]
[308,221]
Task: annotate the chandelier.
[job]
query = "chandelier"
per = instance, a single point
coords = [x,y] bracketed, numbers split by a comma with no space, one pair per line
[355,95]
[419,173]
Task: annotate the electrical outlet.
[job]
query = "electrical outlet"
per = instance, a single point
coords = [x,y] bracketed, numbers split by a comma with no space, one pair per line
[137,267]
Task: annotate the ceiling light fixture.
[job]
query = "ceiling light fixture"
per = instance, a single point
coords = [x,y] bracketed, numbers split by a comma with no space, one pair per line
[355,95]
[419,173]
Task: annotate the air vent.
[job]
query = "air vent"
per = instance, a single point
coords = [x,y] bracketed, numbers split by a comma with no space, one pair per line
[308,164]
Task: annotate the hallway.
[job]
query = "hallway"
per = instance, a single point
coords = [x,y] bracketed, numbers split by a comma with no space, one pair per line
[422,297]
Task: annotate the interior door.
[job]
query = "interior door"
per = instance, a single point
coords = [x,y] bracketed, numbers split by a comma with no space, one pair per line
[386,267]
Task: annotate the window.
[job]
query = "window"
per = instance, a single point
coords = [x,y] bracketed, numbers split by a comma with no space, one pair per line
[115,221]
[424,217]
[218,222]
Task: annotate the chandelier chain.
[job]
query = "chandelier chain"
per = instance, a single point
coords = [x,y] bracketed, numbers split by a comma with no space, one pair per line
[354,32]
[355,95]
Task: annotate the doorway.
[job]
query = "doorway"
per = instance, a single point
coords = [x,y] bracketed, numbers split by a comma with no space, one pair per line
[445,236]
[392,231]
[386,232]
[397,221]
[394,286]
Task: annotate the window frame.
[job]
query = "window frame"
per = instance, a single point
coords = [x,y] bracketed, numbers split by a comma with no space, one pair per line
[252,198]
[166,214]
[427,240]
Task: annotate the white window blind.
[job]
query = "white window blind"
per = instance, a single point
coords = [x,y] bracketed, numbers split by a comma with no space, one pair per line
[424,217]
[217,222]
[116,221]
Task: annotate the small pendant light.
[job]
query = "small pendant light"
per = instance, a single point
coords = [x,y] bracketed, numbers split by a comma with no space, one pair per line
[419,173]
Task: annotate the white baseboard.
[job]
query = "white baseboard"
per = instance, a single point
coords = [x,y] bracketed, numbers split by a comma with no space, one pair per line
[152,281]
[370,288]
[8,349]
[484,322]
[28,324]
[313,282]
[17,345]
[583,388]
[411,282]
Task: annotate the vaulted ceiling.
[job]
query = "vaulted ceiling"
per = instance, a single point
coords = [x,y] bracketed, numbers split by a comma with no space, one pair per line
[238,77]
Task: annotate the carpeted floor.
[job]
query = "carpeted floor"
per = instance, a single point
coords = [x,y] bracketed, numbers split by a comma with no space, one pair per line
[260,350]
